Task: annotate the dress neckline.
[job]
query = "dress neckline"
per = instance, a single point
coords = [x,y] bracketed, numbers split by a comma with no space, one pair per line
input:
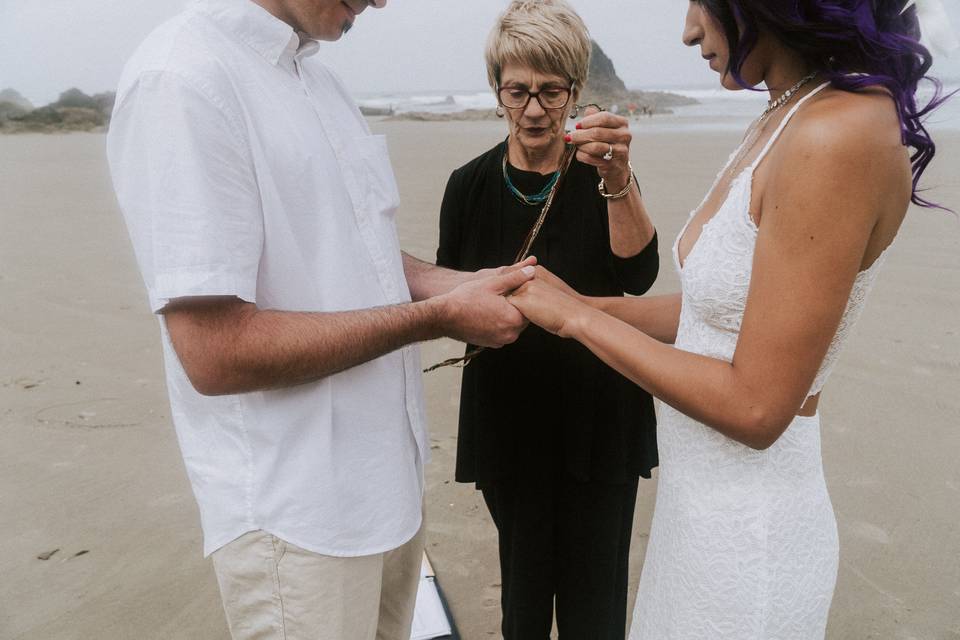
[863,273]
[734,183]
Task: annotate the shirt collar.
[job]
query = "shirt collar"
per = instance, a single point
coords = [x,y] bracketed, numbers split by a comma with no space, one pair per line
[256,27]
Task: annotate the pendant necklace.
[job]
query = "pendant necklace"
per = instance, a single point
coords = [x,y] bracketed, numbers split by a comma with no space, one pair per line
[773,105]
[757,127]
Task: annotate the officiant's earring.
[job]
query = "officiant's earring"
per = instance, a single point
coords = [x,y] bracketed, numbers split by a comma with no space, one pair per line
[499,111]
[575,112]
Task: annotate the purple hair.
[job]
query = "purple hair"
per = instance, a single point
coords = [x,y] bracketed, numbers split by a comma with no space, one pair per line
[855,43]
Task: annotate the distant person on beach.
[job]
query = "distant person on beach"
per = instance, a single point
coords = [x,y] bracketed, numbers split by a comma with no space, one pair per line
[775,266]
[555,439]
[261,210]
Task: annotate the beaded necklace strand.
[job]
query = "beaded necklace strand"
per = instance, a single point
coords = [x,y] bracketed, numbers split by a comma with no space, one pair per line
[535,199]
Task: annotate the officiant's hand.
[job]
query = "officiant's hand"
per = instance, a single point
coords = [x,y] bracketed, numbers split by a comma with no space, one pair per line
[603,141]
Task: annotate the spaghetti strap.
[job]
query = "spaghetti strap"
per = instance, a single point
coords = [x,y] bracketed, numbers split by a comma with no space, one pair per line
[783,123]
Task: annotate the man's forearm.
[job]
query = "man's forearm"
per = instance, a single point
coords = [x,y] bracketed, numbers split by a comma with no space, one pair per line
[428,280]
[229,346]
[242,348]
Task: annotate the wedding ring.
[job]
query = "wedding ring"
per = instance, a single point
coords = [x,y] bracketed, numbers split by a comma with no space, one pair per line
[609,154]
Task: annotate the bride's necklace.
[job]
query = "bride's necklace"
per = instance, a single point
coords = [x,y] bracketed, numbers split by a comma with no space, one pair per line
[753,134]
[773,105]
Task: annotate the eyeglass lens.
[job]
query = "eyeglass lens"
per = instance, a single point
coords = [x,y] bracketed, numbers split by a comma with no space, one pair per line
[549,97]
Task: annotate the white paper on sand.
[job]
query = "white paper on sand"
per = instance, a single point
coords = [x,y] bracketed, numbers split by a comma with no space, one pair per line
[429,618]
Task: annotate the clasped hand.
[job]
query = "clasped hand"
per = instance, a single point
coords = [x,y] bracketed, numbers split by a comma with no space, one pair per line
[492,307]
[476,310]
[550,303]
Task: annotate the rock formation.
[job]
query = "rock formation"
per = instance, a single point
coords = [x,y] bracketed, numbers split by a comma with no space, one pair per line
[604,87]
[12,96]
[73,111]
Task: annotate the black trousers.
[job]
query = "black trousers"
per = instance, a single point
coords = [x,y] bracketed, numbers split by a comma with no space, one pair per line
[567,542]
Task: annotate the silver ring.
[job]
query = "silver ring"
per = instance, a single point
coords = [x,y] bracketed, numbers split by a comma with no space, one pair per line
[609,154]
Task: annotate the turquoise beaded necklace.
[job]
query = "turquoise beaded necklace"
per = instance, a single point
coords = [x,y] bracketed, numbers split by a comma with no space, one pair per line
[537,198]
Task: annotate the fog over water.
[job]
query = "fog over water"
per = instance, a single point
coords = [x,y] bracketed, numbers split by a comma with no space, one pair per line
[432,46]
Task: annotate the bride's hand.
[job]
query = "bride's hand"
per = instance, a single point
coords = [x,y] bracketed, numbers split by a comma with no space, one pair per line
[548,277]
[548,307]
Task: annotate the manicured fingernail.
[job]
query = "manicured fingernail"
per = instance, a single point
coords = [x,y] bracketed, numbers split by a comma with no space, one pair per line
[528,271]
[568,138]
[579,126]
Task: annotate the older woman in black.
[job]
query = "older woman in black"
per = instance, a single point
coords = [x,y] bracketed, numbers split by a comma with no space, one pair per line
[554,439]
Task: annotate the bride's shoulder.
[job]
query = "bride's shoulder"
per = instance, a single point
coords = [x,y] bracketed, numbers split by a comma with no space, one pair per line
[847,149]
[850,124]
[844,138]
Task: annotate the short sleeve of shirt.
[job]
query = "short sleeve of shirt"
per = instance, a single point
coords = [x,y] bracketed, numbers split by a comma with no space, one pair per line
[184,178]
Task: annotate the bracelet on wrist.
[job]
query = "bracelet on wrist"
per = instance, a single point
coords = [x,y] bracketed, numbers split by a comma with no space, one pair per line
[602,187]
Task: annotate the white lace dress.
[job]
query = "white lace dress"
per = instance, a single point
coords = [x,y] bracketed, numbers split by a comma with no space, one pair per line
[743,544]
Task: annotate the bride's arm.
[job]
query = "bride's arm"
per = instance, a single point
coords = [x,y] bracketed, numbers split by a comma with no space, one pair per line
[823,204]
[656,316]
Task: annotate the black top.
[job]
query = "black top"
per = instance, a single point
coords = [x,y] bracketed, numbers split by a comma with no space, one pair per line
[544,404]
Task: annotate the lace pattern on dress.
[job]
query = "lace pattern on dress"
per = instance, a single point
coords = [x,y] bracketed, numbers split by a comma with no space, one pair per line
[743,544]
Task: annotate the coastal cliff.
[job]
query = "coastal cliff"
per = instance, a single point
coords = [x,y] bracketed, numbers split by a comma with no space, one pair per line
[604,87]
[73,111]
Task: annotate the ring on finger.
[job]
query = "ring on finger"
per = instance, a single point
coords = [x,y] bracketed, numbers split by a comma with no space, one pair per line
[609,154]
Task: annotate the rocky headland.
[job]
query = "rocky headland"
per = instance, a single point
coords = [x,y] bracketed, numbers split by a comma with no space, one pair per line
[73,111]
[604,87]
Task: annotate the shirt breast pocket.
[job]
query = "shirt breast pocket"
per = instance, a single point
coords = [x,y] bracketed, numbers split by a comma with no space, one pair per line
[377,185]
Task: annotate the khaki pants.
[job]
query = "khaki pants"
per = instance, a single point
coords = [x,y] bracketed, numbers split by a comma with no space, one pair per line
[273,590]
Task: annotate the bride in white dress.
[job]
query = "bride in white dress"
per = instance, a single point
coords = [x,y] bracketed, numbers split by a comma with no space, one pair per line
[775,265]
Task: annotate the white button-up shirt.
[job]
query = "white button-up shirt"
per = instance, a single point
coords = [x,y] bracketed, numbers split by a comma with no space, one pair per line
[244,169]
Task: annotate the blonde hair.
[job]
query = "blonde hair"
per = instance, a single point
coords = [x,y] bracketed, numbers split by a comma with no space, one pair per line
[546,35]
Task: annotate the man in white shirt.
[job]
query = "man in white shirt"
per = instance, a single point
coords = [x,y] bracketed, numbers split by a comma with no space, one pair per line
[261,211]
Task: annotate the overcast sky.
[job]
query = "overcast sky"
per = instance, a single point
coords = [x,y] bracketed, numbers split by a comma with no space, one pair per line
[47,46]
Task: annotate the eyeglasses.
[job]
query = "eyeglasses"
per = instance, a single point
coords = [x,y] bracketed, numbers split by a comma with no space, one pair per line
[550,98]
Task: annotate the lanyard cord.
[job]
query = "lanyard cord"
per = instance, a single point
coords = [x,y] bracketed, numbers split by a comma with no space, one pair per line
[565,161]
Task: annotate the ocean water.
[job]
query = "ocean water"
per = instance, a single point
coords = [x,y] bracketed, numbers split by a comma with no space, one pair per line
[717,108]
[431,102]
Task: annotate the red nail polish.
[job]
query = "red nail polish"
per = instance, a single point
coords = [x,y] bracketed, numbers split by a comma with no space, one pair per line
[568,138]
[579,126]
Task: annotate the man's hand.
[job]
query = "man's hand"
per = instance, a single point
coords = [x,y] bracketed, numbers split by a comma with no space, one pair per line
[427,280]
[499,271]
[477,312]
[482,274]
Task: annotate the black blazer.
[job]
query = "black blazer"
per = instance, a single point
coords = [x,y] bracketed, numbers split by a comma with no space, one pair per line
[545,405]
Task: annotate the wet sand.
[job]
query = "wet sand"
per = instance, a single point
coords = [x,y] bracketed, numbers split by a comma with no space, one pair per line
[89,460]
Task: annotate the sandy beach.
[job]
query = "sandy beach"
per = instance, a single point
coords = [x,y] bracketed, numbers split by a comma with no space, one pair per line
[90,467]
